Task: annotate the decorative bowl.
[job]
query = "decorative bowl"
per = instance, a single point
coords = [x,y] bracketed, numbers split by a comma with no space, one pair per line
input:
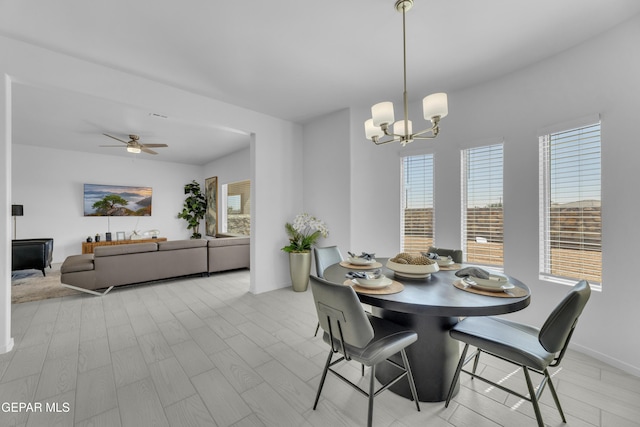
[356,260]
[494,281]
[379,282]
[412,271]
[444,261]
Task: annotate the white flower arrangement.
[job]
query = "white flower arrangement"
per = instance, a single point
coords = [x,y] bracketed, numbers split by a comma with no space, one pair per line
[303,232]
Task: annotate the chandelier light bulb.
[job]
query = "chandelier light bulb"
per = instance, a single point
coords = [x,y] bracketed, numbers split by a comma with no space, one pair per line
[398,128]
[371,130]
[382,114]
[435,105]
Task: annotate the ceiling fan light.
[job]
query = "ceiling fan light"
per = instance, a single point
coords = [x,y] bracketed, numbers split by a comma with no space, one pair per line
[135,150]
[435,105]
[382,113]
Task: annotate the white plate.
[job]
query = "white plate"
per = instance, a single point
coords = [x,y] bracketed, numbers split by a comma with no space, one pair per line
[492,288]
[494,280]
[383,284]
[444,262]
[360,261]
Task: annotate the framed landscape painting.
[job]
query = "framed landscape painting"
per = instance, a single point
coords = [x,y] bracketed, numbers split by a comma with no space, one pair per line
[116,200]
[211,214]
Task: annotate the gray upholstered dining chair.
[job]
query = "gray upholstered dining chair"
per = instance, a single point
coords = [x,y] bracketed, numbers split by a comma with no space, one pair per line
[533,349]
[357,336]
[325,257]
[455,254]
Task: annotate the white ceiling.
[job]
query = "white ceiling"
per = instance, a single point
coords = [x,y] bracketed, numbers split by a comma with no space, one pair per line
[73,121]
[292,59]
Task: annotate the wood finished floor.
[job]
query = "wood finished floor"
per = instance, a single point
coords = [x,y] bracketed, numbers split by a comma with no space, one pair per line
[206,352]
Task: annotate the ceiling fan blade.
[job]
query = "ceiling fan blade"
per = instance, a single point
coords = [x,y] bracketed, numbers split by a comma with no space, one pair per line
[116,146]
[146,150]
[117,139]
[154,145]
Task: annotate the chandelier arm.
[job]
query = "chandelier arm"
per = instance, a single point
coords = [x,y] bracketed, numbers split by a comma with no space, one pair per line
[375,141]
[434,130]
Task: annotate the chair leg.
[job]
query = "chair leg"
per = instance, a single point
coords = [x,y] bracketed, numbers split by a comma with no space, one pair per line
[324,376]
[534,399]
[555,395]
[317,329]
[456,375]
[475,362]
[372,392]
[412,385]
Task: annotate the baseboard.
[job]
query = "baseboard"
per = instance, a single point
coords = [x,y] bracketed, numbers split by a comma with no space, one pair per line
[7,347]
[630,369]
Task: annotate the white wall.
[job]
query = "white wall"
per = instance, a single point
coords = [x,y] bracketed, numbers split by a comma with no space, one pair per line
[231,168]
[6,340]
[375,191]
[600,76]
[326,176]
[52,196]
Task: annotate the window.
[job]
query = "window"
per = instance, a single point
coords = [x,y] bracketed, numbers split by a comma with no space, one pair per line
[235,210]
[482,213]
[570,195]
[417,203]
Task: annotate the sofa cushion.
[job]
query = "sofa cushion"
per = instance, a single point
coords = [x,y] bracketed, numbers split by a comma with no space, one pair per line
[75,263]
[228,241]
[172,245]
[133,248]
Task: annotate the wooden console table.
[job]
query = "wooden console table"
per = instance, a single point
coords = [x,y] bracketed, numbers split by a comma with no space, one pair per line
[87,247]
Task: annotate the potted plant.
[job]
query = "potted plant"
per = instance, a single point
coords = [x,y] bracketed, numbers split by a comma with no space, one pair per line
[303,233]
[195,206]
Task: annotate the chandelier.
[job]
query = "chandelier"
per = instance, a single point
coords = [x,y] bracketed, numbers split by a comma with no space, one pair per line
[382,119]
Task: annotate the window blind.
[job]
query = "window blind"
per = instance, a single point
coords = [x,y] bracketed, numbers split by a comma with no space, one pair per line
[417,203]
[570,205]
[482,211]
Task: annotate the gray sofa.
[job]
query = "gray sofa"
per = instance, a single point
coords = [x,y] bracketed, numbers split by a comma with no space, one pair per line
[227,252]
[118,265]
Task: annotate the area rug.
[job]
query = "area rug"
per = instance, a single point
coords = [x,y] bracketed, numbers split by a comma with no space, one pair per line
[31,285]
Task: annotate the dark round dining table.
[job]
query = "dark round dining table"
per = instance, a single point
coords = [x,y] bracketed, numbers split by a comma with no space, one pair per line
[430,306]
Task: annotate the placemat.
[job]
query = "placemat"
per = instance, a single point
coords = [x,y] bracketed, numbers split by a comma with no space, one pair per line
[347,264]
[511,293]
[450,267]
[393,288]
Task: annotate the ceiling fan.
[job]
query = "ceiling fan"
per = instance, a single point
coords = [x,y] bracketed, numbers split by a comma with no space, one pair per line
[133,146]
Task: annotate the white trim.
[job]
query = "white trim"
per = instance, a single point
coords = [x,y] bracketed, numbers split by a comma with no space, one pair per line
[597,287]
[570,124]
[617,363]
[6,340]
[484,142]
[7,347]
[222,222]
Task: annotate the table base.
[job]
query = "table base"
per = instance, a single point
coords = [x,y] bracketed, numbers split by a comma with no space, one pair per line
[433,357]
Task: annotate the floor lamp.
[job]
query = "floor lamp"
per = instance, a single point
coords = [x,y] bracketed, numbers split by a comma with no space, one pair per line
[16,210]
